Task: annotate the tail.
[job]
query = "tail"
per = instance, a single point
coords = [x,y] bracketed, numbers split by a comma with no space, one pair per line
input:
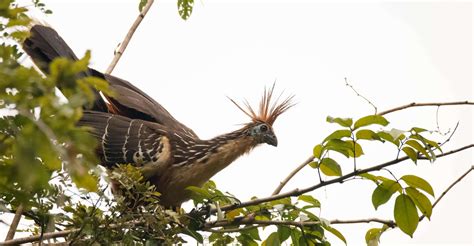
[44,45]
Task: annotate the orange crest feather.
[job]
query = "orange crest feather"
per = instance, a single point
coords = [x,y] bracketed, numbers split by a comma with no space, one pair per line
[268,111]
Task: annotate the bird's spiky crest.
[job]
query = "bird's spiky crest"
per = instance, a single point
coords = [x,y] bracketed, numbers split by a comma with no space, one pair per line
[268,111]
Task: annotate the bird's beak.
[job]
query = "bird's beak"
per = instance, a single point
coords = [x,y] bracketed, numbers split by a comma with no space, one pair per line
[271,139]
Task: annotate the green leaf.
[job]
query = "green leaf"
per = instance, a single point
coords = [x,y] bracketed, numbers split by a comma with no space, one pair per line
[272,240]
[368,135]
[396,133]
[340,146]
[419,183]
[369,177]
[418,129]
[330,167]
[420,200]
[335,232]
[354,147]
[345,122]
[142,4]
[252,232]
[372,237]
[310,199]
[284,233]
[406,215]
[410,153]
[386,136]
[194,234]
[338,135]
[384,192]
[369,120]
[417,146]
[317,151]
[185,8]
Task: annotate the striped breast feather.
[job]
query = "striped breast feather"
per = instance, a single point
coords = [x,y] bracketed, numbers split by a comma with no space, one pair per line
[125,140]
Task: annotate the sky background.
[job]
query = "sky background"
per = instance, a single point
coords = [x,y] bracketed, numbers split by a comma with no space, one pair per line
[392,53]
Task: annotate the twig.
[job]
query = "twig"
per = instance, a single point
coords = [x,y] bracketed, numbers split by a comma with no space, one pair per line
[124,44]
[297,192]
[257,223]
[359,95]
[252,221]
[15,222]
[449,188]
[290,176]
[413,104]
[389,223]
[297,169]
[58,234]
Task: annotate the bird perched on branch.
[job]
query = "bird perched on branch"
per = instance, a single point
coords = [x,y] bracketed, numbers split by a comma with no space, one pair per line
[133,128]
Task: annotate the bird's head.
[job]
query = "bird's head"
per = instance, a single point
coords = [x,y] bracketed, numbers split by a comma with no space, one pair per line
[261,126]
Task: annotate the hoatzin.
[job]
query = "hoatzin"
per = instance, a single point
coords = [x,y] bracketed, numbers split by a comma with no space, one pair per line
[133,128]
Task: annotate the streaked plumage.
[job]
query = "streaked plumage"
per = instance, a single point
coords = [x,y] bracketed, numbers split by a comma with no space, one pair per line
[133,128]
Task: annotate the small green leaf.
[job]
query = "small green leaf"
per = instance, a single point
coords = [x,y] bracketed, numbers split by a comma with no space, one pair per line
[330,167]
[419,183]
[384,192]
[317,151]
[310,199]
[418,129]
[335,232]
[355,147]
[345,122]
[313,164]
[272,240]
[396,133]
[142,4]
[406,215]
[369,177]
[340,146]
[417,146]
[284,233]
[338,135]
[185,8]
[410,153]
[368,135]
[386,136]
[421,201]
[369,120]
[372,237]
[194,234]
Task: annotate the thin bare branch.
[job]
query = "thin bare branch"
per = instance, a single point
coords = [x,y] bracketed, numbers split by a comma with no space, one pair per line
[413,104]
[57,234]
[449,188]
[389,223]
[359,95]
[15,222]
[297,192]
[290,176]
[131,31]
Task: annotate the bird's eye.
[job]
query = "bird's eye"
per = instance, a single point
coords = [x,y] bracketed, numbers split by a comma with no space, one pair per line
[263,128]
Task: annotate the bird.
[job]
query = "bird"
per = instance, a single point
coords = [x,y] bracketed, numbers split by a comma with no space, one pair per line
[133,128]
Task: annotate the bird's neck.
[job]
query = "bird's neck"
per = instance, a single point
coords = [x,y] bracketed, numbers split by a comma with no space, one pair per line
[225,149]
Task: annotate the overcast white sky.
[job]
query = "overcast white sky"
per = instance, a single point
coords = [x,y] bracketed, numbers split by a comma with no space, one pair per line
[393,53]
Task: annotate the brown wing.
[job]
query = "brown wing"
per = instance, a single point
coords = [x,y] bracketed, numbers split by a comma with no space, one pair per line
[132,102]
[125,140]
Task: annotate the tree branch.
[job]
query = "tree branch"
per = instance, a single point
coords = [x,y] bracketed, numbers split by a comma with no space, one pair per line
[413,104]
[15,222]
[131,31]
[297,192]
[290,176]
[298,168]
[257,223]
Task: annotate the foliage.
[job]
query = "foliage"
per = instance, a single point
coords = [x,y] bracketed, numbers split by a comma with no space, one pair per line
[48,165]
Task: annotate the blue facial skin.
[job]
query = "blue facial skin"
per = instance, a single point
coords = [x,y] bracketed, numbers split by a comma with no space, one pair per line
[264,134]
